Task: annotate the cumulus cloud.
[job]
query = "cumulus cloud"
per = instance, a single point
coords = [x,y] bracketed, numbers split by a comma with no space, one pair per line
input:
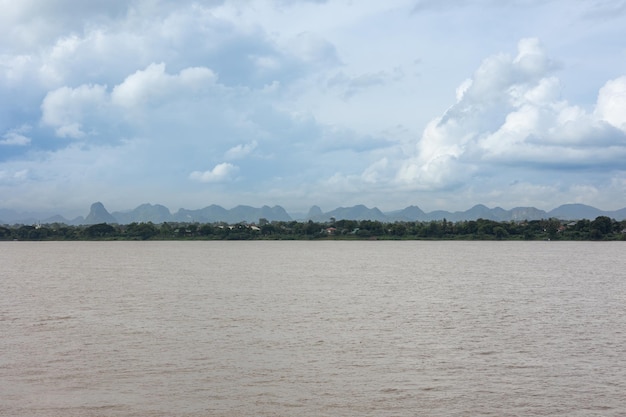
[16,137]
[611,105]
[220,173]
[241,150]
[376,172]
[154,85]
[31,22]
[65,109]
[511,113]
[94,110]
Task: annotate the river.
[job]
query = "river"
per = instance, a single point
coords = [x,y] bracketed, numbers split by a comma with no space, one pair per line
[299,328]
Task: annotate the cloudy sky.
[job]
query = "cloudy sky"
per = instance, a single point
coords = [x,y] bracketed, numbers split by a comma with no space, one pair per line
[437,103]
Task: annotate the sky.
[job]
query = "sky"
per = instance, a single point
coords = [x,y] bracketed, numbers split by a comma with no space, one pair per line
[442,104]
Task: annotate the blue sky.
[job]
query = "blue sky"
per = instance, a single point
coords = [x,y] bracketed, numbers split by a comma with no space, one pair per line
[440,104]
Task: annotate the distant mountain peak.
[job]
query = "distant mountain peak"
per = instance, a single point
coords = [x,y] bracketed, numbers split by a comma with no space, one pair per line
[576,211]
[99,214]
[157,213]
[314,211]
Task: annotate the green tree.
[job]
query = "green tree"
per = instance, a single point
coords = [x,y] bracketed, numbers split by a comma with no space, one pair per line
[100,230]
[206,230]
[551,227]
[602,226]
[5,233]
[143,231]
[398,229]
[165,230]
[500,232]
[485,227]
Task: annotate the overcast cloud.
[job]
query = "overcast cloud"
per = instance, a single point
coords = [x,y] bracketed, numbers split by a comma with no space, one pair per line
[441,104]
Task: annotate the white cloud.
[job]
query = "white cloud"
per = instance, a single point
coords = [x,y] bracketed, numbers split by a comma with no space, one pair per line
[220,173]
[154,85]
[511,113]
[531,61]
[462,89]
[16,137]
[611,106]
[241,150]
[376,171]
[13,68]
[13,176]
[67,108]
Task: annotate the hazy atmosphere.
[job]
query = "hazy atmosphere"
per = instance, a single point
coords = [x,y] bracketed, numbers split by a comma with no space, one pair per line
[440,104]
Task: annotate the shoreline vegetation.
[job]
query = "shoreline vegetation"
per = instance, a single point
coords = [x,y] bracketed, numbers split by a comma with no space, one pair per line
[602,228]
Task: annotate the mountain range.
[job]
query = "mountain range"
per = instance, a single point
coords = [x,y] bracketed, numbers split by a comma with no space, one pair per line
[157,213]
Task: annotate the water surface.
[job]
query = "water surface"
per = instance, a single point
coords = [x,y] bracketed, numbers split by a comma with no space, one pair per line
[312,329]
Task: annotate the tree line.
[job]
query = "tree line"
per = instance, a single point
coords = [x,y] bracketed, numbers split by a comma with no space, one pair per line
[601,228]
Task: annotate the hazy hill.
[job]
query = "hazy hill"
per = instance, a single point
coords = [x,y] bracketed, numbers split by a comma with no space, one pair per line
[575,212]
[98,214]
[144,213]
[527,213]
[210,214]
[314,213]
[410,213]
[359,212]
[618,214]
[252,214]
[479,211]
[214,213]
[13,217]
